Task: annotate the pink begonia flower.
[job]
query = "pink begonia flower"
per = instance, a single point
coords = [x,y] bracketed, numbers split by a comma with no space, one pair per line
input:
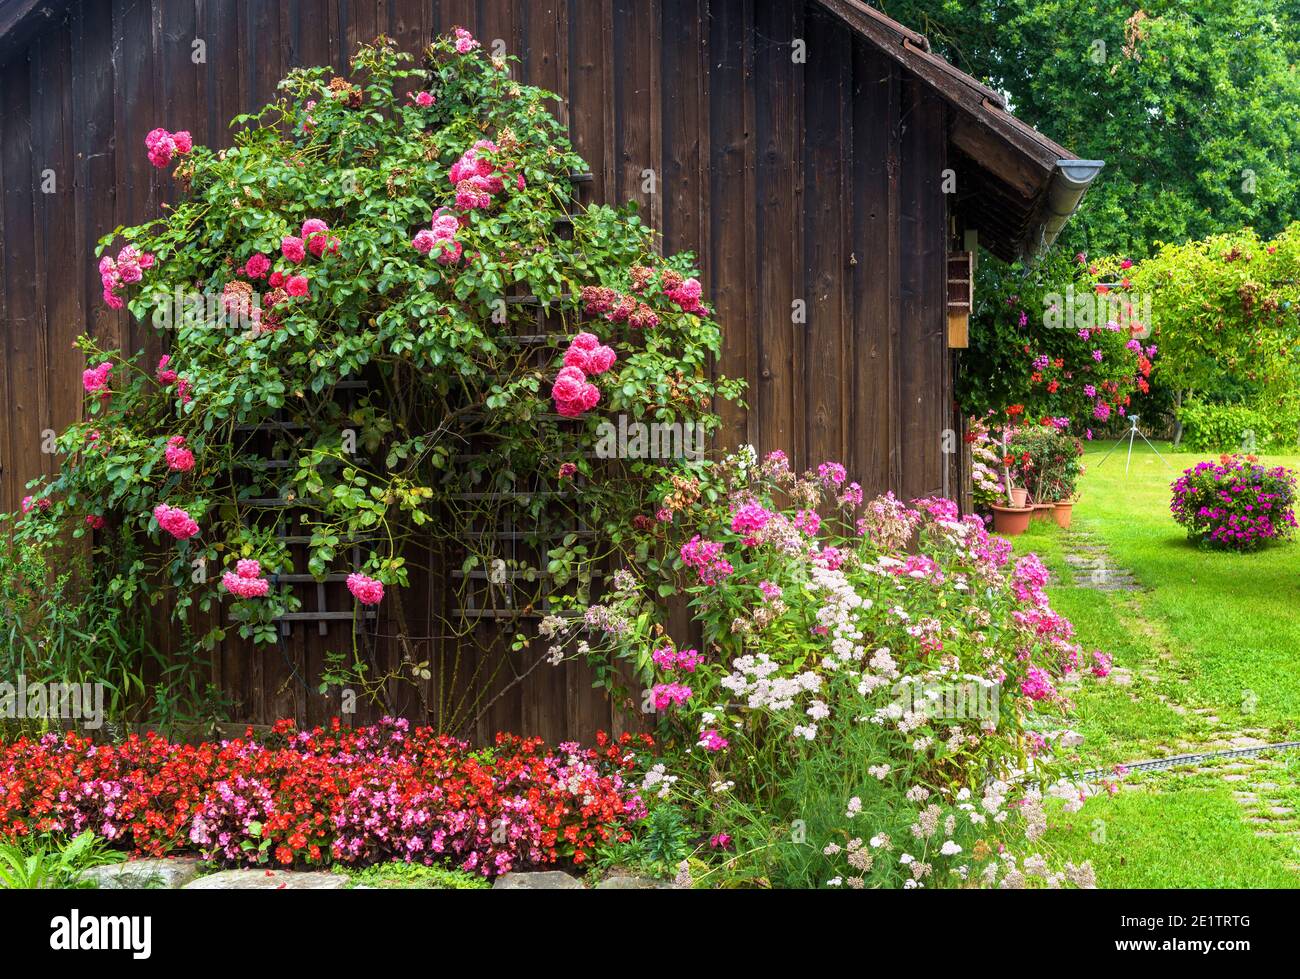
[175,521]
[292,248]
[366,590]
[178,456]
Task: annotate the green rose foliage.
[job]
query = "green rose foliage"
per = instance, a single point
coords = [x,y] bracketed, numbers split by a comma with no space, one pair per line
[408,394]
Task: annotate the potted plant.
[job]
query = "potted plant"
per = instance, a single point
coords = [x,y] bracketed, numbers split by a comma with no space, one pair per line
[1013,518]
[1049,462]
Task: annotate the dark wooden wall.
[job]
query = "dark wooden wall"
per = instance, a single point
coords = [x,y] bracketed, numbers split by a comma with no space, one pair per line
[816,182]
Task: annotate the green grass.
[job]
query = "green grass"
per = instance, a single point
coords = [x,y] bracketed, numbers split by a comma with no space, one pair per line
[413,876]
[1188,838]
[1212,643]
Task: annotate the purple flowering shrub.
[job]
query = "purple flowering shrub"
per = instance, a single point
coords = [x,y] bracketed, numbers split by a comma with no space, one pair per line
[868,670]
[1235,503]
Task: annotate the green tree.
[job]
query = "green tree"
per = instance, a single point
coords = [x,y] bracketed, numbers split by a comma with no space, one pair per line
[1191,103]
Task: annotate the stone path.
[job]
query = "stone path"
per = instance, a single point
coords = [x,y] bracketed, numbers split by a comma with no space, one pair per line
[1092,566]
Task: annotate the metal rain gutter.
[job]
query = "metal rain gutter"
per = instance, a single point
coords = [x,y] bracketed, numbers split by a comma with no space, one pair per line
[1069,181]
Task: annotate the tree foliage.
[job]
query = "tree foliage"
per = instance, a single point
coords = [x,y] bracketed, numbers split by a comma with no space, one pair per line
[1191,103]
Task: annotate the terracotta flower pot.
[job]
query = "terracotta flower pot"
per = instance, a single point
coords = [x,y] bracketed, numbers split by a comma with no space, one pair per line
[1011,521]
[1019,497]
[1063,512]
[1043,511]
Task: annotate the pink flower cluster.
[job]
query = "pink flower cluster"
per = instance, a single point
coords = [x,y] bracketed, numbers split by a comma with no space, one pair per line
[440,237]
[589,355]
[43,503]
[246,581]
[618,308]
[1037,684]
[750,519]
[711,740]
[668,658]
[127,269]
[95,379]
[684,292]
[165,375]
[465,42]
[422,99]
[162,146]
[705,558]
[667,695]
[178,456]
[572,392]
[365,590]
[175,521]
[476,177]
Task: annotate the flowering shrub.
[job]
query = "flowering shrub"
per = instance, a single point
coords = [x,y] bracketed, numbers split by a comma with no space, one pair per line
[884,671]
[1236,503]
[361,235]
[361,796]
[1067,371]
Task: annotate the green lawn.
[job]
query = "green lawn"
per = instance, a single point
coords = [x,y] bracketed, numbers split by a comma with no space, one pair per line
[1210,648]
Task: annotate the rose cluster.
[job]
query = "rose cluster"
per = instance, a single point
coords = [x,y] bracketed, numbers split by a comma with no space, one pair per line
[162,146]
[586,357]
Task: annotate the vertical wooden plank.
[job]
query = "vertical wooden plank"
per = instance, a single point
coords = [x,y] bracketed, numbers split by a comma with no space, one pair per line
[96,149]
[826,268]
[875,276]
[25,338]
[459,13]
[51,213]
[591,92]
[638,119]
[262,52]
[8,492]
[778,122]
[685,127]
[922,273]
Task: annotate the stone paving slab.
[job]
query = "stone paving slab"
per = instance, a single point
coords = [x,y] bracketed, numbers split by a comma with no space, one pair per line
[269,880]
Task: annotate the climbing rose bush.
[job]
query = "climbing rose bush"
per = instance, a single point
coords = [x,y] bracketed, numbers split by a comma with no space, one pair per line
[307,798]
[881,673]
[412,235]
[1236,503]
